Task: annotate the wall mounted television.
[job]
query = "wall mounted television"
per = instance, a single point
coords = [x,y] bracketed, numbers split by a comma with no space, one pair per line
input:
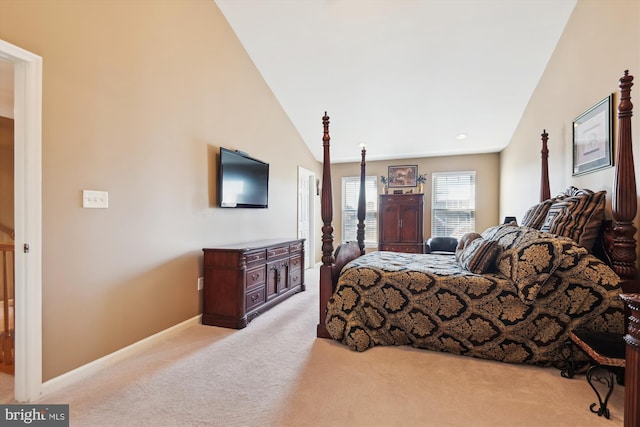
[243,182]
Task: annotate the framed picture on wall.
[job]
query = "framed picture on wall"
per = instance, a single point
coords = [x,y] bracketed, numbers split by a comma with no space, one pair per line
[403,176]
[593,138]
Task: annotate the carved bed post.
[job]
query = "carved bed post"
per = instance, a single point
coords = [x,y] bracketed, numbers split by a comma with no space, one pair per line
[326,206]
[362,200]
[624,199]
[545,192]
[623,248]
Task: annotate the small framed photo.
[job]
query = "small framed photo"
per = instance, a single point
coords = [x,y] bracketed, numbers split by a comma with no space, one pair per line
[593,138]
[403,176]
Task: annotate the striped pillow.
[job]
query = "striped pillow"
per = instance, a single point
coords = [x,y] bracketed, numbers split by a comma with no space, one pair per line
[536,214]
[479,255]
[578,216]
[463,242]
[573,191]
[494,232]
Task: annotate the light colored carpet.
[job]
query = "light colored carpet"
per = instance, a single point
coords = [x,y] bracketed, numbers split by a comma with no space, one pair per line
[276,373]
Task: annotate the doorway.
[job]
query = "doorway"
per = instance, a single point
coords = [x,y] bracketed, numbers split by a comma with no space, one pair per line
[306,214]
[27,109]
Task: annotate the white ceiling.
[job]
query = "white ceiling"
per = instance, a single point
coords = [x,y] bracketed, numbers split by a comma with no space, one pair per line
[402,76]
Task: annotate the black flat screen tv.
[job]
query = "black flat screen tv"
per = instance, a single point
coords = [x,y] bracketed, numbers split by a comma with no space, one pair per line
[243,182]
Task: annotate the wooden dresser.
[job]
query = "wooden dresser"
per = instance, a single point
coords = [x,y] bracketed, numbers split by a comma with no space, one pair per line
[241,281]
[400,223]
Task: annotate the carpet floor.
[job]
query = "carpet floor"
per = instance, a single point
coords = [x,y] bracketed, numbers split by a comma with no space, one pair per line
[276,373]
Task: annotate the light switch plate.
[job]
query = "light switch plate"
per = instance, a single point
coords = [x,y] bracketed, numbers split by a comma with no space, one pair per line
[95,199]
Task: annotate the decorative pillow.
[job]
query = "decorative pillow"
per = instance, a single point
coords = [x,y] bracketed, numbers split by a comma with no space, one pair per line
[577,216]
[491,233]
[478,256]
[507,234]
[530,262]
[573,191]
[536,214]
[463,242]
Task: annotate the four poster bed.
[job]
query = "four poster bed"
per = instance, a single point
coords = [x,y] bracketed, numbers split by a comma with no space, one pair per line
[512,293]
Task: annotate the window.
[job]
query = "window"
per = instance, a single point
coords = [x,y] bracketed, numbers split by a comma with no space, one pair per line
[453,204]
[350,194]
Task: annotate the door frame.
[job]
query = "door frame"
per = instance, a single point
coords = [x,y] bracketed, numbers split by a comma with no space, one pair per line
[310,244]
[28,220]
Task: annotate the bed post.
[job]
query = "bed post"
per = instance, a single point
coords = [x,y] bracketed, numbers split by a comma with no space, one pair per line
[545,192]
[624,198]
[362,200]
[326,203]
[623,248]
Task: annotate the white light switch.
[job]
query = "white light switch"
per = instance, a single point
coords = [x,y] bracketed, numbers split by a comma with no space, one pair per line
[95,199]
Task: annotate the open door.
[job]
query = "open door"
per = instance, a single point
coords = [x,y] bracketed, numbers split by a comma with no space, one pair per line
[7,233]
[27,107]
[306,211]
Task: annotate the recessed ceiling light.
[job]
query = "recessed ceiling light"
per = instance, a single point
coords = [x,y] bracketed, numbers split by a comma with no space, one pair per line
[461,136]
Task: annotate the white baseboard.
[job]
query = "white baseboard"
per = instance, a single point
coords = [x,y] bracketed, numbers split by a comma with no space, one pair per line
[91,368]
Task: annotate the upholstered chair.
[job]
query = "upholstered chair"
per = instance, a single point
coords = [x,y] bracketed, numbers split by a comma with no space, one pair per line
[441,245]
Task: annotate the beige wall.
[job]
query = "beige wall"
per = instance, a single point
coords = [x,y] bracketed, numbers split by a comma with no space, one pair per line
[600,41]
[137,99]
[487,167]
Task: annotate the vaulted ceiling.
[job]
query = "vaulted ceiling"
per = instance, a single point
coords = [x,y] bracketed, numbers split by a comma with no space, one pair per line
[406,77]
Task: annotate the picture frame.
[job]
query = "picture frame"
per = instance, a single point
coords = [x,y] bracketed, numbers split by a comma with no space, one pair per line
[403,176]
[593,138]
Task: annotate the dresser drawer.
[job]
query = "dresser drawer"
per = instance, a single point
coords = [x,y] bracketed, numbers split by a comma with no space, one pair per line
[295,263]
[255,257]
[412,199]
[277,251]
[412,249]
[255,298]
[296,247]
[255,277]
[295,278]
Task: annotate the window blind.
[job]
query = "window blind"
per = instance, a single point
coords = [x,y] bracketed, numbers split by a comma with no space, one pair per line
[350,194]
[453,204]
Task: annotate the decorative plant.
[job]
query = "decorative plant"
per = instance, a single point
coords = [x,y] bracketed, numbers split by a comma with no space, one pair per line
[383,179]
[422,178]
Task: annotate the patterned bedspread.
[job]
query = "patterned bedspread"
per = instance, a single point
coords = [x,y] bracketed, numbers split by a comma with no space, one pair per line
[429,301]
